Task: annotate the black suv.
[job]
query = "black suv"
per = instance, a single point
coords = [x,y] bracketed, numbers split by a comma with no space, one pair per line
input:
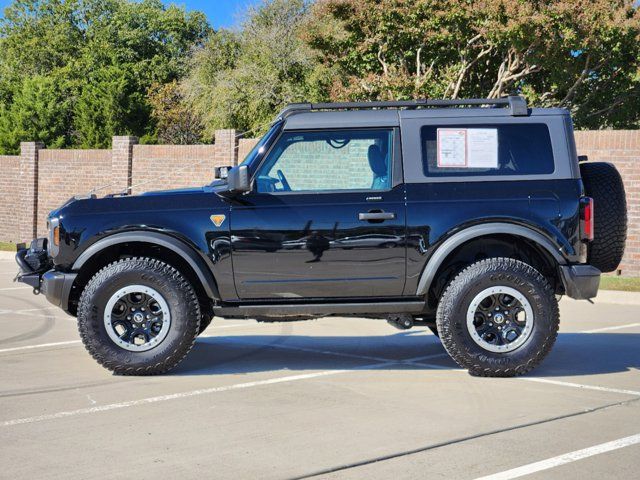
[471,217]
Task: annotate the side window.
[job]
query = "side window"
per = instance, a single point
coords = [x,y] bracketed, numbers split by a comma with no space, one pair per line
[486,150]
[328,160]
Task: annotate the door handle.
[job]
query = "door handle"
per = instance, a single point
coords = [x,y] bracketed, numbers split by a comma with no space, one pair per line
[369,216]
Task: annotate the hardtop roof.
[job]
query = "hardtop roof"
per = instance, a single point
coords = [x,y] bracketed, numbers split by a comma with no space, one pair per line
[391,117]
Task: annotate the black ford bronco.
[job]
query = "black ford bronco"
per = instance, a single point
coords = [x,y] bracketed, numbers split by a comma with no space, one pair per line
[471,217]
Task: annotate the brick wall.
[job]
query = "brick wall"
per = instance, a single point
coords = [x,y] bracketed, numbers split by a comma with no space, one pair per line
[9,198]
[622,148]
[159,167]
[64,173]
[244,147]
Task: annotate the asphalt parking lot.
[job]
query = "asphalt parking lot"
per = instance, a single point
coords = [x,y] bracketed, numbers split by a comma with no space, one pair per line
[335,397]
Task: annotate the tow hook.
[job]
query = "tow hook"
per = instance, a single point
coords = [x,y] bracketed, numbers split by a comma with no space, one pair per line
[36,291]
[402,321]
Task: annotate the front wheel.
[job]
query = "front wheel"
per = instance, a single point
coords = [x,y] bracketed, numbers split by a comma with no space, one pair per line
[138,316]
[498,318]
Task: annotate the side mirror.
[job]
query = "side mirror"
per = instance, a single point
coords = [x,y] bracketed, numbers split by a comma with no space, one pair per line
[238,180]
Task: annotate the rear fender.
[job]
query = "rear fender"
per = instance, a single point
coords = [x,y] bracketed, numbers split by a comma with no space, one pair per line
[449,245]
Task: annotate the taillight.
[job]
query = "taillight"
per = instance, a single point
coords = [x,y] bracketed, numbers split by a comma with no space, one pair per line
[586,217]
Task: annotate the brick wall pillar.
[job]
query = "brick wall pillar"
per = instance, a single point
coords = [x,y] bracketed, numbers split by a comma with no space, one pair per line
[28,216]
[122,161]
[226,147]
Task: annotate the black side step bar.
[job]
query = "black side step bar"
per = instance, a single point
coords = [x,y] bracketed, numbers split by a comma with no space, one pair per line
[319,309]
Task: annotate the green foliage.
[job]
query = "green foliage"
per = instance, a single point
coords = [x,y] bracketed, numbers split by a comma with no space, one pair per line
[240,79]
[111,103]
[100,57]
[176,122]
[76,72]
[578,54]
[38,112]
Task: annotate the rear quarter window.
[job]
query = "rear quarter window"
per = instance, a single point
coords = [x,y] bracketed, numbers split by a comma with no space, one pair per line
[486,150]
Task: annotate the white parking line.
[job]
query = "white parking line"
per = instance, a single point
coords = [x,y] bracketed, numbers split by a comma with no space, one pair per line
[564,459]
[31,313]
[580,385]
[72,342]
[607,329]
[321,352]
[25,310]
[414,361]
[427,357]
[174,396]
[14,288]
[42,345]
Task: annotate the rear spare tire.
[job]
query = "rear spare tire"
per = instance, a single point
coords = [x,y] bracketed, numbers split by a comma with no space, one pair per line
[603,183]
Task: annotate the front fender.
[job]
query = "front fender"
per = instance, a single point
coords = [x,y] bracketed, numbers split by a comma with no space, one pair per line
[189,254]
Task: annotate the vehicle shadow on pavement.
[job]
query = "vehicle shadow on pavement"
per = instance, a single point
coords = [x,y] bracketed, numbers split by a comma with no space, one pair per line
[574,354]
[591,354]
[258,353]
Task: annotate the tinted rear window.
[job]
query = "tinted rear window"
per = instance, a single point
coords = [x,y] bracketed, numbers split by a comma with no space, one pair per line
[486,150]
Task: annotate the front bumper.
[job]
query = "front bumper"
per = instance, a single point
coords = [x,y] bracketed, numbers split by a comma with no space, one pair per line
[56,286]
[35,271]
[580,281]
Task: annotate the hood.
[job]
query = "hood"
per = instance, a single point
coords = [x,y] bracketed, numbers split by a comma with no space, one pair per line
[126,206]
[176,191]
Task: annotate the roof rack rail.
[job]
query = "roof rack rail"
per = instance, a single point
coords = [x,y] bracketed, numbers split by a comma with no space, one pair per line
[516,103]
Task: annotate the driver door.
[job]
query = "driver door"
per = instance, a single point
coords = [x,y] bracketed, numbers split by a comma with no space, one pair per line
[325,219]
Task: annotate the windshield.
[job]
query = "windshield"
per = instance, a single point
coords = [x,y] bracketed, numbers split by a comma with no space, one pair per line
[260,146]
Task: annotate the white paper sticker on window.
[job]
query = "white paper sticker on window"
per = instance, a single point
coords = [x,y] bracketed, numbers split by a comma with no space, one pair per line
[452,147]
[482,145]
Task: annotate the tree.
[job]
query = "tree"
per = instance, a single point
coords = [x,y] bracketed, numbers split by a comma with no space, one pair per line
[110,103]
[239,79]
[103,54]
[38,112]
[176,122]
[578,54]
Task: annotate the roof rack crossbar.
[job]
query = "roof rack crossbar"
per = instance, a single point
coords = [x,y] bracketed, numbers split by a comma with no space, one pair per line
[516,103]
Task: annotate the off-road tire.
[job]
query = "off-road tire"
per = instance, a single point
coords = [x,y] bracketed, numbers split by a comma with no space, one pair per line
[451,317]
[603,183]
[205,321]
[183,306]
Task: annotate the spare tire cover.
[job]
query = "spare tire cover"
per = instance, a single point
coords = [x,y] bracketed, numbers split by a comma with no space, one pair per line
[603,183]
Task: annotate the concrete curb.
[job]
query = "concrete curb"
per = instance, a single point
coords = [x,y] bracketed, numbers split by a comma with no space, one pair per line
[7,255]
[613,296]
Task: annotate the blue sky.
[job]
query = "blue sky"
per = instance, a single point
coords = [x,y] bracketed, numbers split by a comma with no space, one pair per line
[221,13]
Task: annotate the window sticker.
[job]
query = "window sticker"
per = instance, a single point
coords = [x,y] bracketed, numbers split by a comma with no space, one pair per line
[482,145]
[452,148]
[467,148]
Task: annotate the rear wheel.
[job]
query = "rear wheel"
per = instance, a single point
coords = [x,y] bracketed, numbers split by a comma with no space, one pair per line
[499,317]
[138,316]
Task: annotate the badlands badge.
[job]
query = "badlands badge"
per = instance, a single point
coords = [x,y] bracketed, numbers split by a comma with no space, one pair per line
[217,219]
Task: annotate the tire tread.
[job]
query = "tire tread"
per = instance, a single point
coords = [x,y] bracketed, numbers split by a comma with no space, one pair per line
[455,290]
[90,341]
